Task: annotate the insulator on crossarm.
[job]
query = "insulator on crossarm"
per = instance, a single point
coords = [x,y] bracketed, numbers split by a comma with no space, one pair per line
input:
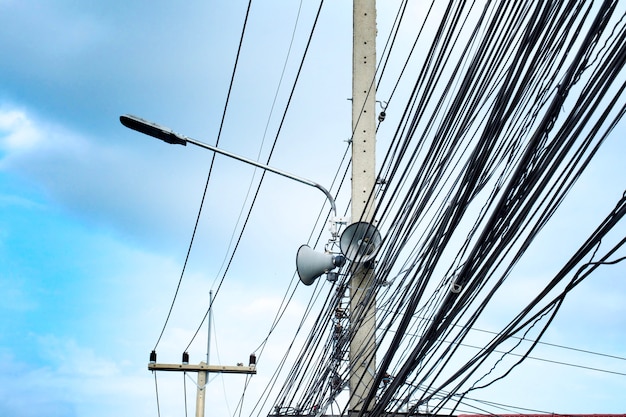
[153,356]
[185,358]
[252,359]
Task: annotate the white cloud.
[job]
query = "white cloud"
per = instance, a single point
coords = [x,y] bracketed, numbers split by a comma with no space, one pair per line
[102,184]
[26,138]
[78,361]
[17,131]
[78,382]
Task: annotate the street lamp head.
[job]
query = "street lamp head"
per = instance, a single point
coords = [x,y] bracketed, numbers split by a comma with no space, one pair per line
[153,129]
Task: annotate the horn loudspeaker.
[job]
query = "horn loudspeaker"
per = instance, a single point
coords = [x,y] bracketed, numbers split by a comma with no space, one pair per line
[310,264]
[360,242]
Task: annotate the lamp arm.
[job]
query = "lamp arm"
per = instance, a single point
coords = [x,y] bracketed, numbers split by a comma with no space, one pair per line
[267,168]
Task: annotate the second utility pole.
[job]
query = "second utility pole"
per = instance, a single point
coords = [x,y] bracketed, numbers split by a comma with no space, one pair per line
[363,342]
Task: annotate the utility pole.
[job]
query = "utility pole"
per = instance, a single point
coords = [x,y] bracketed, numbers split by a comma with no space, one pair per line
[202,369]
[204,376]
[363,342]
[201,393]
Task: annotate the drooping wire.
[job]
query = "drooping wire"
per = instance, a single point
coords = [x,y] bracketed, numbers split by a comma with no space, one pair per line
[291,95]
[206,186]
[552,361]
[283,307]
[267,124]
[515,111]
[556,345]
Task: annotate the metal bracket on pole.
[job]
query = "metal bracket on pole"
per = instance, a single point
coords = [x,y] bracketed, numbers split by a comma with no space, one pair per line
[202,368]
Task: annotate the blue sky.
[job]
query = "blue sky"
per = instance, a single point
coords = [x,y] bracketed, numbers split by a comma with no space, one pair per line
[95,219]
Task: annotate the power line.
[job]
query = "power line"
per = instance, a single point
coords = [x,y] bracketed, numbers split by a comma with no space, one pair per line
[549,360]
[481,160]
[606,355]
[544,359]
[195,228]
[258,189]
[590,352]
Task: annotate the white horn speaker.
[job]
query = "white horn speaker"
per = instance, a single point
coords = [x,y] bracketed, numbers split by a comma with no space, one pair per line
[360,242]
[311,264]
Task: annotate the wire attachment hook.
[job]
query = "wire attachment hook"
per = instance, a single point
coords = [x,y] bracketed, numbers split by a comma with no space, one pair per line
[383,106]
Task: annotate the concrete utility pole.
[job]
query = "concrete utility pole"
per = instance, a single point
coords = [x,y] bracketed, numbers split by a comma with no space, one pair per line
[201,393]
[202,369]
[363,343]
[204,376]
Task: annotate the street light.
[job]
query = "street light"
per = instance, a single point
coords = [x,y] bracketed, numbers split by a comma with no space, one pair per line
[168,135]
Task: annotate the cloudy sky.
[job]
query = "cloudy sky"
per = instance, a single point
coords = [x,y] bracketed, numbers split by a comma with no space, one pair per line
[96,220]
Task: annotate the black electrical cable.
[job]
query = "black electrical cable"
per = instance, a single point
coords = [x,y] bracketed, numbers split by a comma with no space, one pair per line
[524,107]
[478,180]
[291,94]
[195,228]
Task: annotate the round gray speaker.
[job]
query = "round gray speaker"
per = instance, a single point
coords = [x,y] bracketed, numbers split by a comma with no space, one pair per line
[360,242]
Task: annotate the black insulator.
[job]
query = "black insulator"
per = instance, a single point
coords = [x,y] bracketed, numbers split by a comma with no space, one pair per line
[153,356]
[381,116]
[185,358]
[252,359]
